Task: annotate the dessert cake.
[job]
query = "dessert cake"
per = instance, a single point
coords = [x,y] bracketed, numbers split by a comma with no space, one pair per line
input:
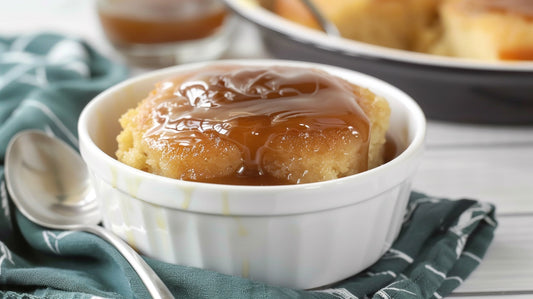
[253,125]
[390,23]
[478,29]
[488,29]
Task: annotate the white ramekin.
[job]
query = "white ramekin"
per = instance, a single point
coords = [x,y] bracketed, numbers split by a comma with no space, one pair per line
[299,236]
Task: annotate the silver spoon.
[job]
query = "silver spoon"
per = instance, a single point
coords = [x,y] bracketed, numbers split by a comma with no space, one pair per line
[324,23]
[49,184]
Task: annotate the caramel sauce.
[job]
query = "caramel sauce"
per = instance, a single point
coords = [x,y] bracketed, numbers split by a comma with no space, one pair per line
[516,54]
[391,149]
[250,107]
[160,28]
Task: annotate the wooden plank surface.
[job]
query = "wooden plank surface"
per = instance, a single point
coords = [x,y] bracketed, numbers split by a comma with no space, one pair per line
[507,269]
[494,164]
[488,163]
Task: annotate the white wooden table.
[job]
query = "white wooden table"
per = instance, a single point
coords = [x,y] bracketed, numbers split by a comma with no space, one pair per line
[488,163]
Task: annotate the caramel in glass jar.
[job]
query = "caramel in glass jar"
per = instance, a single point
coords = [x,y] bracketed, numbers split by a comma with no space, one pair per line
[161,21]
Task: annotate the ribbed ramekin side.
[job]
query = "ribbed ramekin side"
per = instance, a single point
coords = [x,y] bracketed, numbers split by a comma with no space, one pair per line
[300,251]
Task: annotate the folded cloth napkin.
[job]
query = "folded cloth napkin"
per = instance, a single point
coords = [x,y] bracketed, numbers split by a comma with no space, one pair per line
[45,80]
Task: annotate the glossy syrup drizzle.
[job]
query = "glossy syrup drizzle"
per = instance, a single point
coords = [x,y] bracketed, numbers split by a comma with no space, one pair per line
[250,106]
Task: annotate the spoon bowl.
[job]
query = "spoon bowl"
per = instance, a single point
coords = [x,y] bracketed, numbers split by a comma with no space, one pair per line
[49,183]
[60,195]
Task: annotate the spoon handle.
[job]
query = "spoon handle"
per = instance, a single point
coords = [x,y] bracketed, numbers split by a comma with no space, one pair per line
[153,283]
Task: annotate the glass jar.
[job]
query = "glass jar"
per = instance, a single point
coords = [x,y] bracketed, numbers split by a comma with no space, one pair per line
[166,32]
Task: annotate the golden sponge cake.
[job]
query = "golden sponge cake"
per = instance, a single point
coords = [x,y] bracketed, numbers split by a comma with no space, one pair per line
[390,23]
[488,29]
[478,29]
[255,125]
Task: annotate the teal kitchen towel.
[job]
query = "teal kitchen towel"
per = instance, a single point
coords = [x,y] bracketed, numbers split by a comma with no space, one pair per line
[45,80]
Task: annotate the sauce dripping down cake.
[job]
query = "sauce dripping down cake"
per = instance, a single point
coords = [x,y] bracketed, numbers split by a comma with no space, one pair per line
[253,125]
